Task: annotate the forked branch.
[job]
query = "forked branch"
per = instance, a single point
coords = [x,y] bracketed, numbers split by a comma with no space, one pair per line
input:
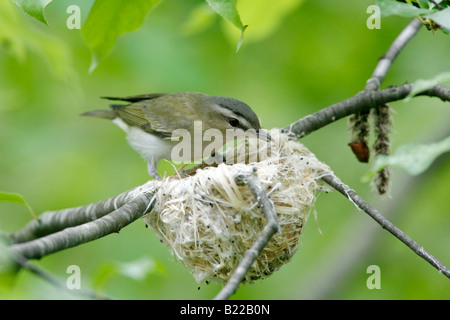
[360,102]
[73,236]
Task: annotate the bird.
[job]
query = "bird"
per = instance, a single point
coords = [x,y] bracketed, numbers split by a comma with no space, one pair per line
[154,123]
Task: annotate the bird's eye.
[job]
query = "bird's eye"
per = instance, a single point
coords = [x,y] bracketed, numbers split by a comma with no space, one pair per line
[234,122]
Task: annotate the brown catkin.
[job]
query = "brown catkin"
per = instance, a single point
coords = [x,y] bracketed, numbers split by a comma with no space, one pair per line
[382,119]
[358,125]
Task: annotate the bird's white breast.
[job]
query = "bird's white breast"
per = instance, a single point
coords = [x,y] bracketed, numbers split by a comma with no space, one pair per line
[146,144]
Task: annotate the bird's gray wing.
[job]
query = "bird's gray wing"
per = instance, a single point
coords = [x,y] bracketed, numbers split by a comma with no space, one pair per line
[171,112]
[161,116]
[137,98]
[133,115]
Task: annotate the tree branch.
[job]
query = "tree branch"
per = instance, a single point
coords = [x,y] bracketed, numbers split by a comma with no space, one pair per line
[53,221]
[385,62]
[437,5]
[86,232]
[362,101]
[350,255]
[384,223]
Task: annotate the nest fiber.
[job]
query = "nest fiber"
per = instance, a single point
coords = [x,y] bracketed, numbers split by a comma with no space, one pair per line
[209,220]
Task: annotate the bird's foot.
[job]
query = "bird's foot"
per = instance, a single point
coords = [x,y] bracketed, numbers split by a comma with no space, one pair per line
[152,171]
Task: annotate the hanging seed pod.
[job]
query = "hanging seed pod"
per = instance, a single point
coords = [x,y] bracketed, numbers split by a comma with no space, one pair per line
[359,130]
[382,118]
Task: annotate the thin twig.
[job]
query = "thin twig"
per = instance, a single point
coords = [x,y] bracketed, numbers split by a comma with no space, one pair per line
[24,263]
[385,62]
[269,230]
[386,224]
[347,254]
[437,5]
[86,232]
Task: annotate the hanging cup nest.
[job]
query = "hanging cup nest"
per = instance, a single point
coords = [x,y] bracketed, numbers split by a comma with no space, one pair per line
[209,220]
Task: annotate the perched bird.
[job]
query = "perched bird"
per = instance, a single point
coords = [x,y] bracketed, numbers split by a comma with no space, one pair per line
[153,122]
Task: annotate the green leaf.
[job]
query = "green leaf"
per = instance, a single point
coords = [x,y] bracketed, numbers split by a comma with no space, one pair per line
[137,270]
[441,17]
[423,4]
[228,10]
[22,40]
[422,84]
[264,18]
[414,158]
[390,7]
[11,30]
[108,19]
[16,198]
[34,8]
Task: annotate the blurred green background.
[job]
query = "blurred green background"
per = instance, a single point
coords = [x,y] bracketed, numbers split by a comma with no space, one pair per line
[300,57]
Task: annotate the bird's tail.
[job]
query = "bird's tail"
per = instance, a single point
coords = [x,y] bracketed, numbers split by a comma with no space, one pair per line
[105,114]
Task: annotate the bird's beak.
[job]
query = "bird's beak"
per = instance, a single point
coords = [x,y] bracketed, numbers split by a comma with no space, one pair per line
[263,135]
